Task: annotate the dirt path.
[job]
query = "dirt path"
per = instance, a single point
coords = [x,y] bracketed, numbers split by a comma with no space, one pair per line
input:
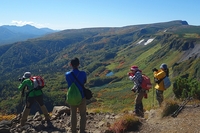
[188,121]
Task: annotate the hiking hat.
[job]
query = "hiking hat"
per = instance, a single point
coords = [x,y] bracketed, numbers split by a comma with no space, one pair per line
[163,66]
[134,68]
[27,75]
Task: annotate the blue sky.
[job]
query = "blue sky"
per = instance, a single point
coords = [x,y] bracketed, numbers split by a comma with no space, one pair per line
[76,14]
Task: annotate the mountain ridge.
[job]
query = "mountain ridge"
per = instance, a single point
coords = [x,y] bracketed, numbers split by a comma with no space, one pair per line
[11,33]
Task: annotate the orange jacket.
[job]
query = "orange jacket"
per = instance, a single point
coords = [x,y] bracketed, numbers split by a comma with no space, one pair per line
[159,75]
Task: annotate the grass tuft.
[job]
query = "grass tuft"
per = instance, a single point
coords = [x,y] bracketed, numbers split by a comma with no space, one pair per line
[127,122]
[169,107]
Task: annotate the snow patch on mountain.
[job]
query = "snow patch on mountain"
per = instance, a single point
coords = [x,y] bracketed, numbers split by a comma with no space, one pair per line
[146,42]
[149,41]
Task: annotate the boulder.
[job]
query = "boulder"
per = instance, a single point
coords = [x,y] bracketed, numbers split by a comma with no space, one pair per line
[59,110]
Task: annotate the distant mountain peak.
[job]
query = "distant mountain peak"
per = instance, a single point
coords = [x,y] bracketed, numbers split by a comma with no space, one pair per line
[13,33]
[28,25]
[185,23]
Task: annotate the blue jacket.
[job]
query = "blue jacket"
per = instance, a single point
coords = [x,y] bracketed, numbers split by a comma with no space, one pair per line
[80,75]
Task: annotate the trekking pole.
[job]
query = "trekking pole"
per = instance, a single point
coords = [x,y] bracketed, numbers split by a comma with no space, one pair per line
[153,91]
[19,109]
[175,114]
[153,96]
[21,103]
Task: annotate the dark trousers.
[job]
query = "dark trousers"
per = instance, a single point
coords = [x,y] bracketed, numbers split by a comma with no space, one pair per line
[30,101]
[138,102]
[159,96]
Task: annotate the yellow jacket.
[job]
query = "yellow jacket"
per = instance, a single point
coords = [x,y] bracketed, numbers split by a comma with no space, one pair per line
[159,75]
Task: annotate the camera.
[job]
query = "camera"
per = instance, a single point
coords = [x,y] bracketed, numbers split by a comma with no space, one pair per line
[21,79]
[154,69]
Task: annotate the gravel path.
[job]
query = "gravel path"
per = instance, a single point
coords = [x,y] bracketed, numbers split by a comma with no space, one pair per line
[188,121]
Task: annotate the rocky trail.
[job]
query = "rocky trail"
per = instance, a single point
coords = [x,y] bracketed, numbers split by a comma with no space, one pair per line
[186,122]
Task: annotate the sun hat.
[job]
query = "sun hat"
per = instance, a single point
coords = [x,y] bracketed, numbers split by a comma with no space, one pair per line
[27,75]
[163,66]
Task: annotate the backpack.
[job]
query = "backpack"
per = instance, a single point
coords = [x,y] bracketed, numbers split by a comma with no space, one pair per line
[146,82]
[167,82]
[74,96]
[38,82]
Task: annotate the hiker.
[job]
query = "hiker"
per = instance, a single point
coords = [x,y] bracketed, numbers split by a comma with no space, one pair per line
[81,76]
[158,78]
[31,96]
[136,76]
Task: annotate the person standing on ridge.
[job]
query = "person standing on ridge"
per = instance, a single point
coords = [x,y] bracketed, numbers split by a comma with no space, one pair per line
[136,76]
[82,77]
[158,77]
[31,97]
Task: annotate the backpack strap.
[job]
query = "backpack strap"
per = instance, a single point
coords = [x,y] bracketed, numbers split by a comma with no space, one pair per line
[34,89]
[158,81]
[78,80]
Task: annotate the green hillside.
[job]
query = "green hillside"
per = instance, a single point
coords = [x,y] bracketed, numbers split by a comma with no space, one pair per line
[101,51]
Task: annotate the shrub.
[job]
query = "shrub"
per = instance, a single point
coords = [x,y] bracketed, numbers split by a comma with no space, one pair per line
[7,117]
[184,87]
[128,122]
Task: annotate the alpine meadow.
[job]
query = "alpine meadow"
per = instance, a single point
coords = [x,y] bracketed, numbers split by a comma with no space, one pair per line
[106,54]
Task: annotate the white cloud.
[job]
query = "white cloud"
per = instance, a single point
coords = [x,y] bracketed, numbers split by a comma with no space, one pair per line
[21,23]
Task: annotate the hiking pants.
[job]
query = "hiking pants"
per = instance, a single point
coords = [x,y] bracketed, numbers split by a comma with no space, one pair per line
[30,101]
[82,111]
[138,102]
[159,96]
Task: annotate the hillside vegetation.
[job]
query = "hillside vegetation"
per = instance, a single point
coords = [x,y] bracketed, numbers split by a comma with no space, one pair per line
[101,51]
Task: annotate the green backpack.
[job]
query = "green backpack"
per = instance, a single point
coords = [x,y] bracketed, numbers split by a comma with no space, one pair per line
[73,95]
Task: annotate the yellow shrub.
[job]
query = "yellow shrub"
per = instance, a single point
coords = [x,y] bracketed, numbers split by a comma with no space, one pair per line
[7,117]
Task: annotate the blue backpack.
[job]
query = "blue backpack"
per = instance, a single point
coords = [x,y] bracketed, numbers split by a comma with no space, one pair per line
[167,82]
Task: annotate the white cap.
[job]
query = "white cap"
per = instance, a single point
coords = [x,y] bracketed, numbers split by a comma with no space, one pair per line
[27,75]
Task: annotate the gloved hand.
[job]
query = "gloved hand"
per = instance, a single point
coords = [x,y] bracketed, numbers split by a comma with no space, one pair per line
[134,90]
[155,69]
